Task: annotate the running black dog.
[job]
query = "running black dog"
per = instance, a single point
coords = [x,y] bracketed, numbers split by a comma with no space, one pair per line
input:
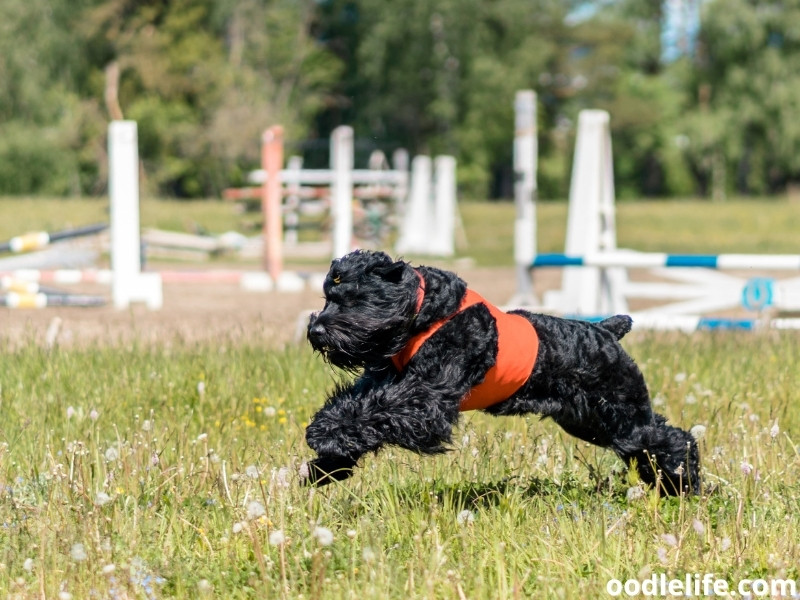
[427,347]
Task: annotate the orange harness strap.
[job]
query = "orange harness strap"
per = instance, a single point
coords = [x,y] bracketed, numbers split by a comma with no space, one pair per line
[517,347]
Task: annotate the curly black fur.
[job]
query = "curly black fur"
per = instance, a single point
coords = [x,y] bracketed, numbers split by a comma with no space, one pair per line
[582,378]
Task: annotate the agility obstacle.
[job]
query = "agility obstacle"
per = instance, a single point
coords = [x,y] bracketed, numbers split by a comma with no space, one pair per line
[42,300]
[596,284]
[425,198]
[41,239]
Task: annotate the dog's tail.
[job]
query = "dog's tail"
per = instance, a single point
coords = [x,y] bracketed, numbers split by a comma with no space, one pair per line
[619,325]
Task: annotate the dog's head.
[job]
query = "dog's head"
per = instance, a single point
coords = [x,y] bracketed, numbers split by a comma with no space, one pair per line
[370,304]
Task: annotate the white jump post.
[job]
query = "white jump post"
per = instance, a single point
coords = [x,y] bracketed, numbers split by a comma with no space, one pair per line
[342,189]
[129,284]
[591,223]
[525,167]
[415,232]
[442,240]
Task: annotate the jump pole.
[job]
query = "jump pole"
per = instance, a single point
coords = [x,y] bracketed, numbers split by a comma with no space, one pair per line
[525,167]
[271,162]
[129,284]
[40,239]
[342,189]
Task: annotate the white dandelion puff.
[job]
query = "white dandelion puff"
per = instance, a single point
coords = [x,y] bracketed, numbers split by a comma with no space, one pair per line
[28,565]
[323,535]
[698,432]
[669,539]
[255,510]
[465,517]
[634,493]
[78,552]
[277,538]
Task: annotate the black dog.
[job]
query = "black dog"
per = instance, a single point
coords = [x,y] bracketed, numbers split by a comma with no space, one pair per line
[428,348]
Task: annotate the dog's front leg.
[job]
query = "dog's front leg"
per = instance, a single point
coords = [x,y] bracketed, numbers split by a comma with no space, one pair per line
[372,413]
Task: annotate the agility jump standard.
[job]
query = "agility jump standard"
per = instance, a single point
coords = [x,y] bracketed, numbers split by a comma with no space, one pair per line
[595,281]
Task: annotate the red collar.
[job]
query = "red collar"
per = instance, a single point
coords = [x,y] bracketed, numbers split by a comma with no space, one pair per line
[420,291]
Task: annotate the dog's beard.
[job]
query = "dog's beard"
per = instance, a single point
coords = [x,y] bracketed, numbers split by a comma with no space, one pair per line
[358,342]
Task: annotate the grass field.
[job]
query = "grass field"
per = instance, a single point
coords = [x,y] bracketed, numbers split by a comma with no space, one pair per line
[146,473]
[169,471]
[765,225]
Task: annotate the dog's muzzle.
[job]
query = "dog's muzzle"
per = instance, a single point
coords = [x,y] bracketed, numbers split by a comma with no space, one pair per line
[316,333]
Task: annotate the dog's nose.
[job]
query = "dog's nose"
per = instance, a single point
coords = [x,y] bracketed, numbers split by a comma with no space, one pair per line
[315,331]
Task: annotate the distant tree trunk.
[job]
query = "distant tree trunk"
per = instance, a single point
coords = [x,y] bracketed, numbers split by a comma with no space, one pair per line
[718,177]
[112,90]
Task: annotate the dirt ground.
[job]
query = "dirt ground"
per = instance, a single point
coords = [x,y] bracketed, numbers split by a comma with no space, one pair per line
[199,312]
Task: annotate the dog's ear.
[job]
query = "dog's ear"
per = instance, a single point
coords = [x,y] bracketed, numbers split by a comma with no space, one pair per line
[391,271]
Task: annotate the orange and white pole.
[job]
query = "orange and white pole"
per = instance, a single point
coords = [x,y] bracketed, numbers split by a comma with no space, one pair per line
[271,162]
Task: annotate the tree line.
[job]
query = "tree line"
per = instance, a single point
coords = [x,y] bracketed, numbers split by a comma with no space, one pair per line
[203,78]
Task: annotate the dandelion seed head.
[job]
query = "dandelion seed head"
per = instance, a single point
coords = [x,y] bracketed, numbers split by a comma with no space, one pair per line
[204,586]
[64,595]
[237,527]
[255,510]
[634,493]
[698,526]
[725,544]
[465,517]
[351,533]
[368,554]
[28,565]
[303,470]
[251,471]
[109,569]
[147,425]
[269,411]
[70,412]
[201,387]
[78,552]
[281,477]
[102,499]
[94,415]
[277,538]
[698,432]
[323,535]
[669,539]
[680,377]
[661,553]
[111,454]
[774,430]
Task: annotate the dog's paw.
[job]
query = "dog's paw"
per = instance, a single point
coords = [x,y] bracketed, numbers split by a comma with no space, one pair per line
[326,469]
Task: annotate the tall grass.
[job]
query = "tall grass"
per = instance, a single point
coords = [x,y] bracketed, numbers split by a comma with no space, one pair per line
[149,472]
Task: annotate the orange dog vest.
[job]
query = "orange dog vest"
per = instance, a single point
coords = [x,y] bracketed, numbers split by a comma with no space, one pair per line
[517,347]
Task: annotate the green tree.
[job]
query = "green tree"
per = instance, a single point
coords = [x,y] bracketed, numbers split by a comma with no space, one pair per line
[743,130]
[439,76]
